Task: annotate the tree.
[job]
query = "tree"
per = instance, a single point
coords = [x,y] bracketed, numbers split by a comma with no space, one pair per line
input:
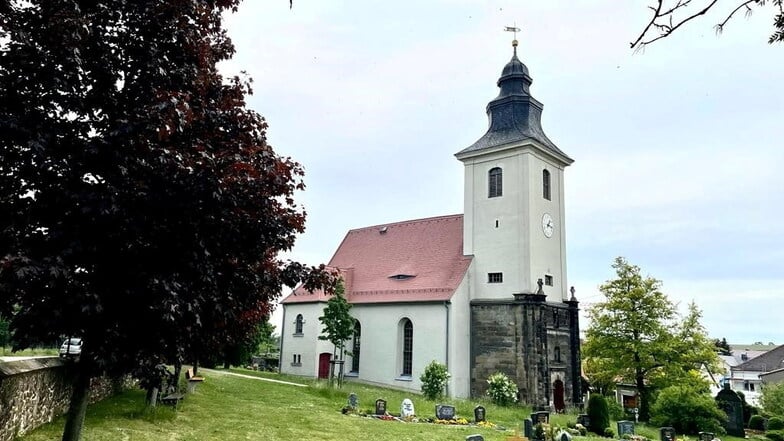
[669,16]
[635,336]
[687,410]
[772,399]
[143,209]
[338,326]
[722,346]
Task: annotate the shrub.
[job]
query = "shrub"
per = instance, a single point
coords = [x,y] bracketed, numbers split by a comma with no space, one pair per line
[775,435]
[756,422]
[609,433]
[501,389]
[616,410]
[687,410]
[599,413]
[775,423]
[434,380]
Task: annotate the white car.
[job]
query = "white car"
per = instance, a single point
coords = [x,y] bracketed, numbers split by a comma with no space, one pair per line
[71,347]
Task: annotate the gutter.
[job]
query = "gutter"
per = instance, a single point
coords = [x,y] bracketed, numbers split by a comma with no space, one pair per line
[282,334]
[446,305]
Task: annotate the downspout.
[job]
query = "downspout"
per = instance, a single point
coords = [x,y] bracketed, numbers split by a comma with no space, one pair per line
[446,305]
[282,334]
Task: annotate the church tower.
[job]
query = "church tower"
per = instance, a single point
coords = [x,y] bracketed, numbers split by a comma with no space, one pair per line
[514,197]
[523,319]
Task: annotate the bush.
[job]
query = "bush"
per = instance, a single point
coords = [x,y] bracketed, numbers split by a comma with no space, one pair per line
[434,380]
[775,423]
[599,413]
[501,389]
[687,410]
[609,433]
[775,435]
[615,410]
[756,422]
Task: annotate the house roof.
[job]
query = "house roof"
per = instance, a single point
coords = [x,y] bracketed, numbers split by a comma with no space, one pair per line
[412,261]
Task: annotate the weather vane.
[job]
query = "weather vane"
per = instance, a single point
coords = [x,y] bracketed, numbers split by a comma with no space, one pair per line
[514,29]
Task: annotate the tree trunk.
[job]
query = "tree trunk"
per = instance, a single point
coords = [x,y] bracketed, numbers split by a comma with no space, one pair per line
[78,405]
[642,391]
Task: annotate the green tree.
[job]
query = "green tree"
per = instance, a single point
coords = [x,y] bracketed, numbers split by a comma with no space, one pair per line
[599,413]
[722,346]
[635,336]
[772,398]
[142,208]
[338,326]
[669,15]
[688,410]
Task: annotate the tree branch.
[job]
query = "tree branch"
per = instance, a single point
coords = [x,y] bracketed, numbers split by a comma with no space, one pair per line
[670,28]
[720,26]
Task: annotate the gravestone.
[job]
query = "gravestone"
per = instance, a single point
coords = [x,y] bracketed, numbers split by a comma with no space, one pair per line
[475,438]
[445,412]
[479,414]
[667,434]
[732,405]
[541,417]
[528,428]
[563,436]
[407,408]
[353,401]
[584,419]
[625,428]
[707,436]
[381,407]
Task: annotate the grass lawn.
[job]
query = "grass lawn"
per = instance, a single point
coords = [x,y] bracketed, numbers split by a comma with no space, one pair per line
[30,352]
[232,408]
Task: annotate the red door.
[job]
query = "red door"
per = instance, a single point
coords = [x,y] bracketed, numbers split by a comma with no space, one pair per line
[558,396]
[324,364]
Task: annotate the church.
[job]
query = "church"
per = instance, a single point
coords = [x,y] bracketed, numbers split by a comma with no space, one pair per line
[481,292]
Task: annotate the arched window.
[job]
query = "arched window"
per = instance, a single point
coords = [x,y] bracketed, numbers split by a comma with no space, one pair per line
[495,183]
[557,354]
[355,347]
[298,324]
[408,346]
[546,184]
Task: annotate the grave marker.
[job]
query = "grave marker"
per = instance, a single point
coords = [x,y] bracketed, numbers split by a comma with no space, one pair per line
[479,414]
[353,401]
[445,412]
[381,407]
[406,408]
[475,438]
[625,428]
[667,434]
[707,436]
[528,428]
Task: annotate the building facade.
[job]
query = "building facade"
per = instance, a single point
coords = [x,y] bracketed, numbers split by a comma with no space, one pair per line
[482,292]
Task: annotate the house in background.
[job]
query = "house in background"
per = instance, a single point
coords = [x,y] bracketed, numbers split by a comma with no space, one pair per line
[481,292]
[745,367]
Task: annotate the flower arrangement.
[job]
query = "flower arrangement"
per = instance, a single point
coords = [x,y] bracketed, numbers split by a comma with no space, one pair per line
[486,424]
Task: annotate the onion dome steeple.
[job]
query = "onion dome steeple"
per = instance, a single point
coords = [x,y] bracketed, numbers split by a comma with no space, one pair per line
[514,115]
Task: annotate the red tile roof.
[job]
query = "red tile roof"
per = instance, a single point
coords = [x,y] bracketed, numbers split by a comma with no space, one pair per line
[411,261]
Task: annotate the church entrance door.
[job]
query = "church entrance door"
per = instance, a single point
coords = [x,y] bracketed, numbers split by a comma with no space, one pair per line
[558,396]
[324,358]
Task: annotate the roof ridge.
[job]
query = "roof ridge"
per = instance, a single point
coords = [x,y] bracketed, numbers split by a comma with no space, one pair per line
[406,222]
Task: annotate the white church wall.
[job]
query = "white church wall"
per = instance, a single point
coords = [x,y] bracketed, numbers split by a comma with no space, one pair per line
[495,229]
[381,350]
[460,341]
[306,345]
[549,252]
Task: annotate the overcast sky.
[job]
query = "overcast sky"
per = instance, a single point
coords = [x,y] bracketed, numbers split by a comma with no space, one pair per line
[676,149]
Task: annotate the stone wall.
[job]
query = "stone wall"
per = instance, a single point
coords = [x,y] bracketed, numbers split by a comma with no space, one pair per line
[535,343]
[34,391]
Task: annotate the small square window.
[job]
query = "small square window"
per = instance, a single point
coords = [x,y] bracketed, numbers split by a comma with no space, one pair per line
[548,280]
[495,277]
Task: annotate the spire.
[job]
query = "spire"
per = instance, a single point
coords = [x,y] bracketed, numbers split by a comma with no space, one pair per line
[514,115]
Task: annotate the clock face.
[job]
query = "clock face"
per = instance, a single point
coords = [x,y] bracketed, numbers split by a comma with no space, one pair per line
[548,226]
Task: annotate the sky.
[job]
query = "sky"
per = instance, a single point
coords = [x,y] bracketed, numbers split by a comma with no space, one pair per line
[676,148]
